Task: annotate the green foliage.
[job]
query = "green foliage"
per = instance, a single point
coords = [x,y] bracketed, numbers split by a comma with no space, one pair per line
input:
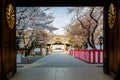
[85,45]
[76,46]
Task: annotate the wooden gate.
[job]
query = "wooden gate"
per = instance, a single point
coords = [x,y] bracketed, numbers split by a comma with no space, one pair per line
[111,41]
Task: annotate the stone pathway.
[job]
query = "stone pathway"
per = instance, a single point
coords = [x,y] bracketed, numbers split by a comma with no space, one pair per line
[60,67]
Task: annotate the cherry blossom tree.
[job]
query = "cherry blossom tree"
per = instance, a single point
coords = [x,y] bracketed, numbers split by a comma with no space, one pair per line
[37,19]
[89,18]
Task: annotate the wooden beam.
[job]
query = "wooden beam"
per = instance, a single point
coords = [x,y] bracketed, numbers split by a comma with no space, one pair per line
[60,2]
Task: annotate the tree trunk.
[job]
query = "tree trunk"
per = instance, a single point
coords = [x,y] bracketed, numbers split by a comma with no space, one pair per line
[91,44]
[92,40]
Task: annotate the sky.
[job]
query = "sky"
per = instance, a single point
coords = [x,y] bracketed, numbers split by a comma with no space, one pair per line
[62,19]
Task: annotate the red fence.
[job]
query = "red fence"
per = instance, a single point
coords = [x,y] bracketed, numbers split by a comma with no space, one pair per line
[91,56]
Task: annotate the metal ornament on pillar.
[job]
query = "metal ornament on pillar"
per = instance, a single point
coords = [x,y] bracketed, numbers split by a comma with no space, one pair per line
[111,15]
[10,15]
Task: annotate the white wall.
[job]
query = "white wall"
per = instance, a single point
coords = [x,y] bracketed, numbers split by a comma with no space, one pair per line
[58,46]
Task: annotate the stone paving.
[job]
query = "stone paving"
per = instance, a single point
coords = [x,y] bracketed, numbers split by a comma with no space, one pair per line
[60,67]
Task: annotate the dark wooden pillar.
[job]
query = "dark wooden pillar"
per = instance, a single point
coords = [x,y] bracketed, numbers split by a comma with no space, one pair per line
[106,30]
[117,76]
[1,47]
[0,53]
[7,45]
[112,40]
